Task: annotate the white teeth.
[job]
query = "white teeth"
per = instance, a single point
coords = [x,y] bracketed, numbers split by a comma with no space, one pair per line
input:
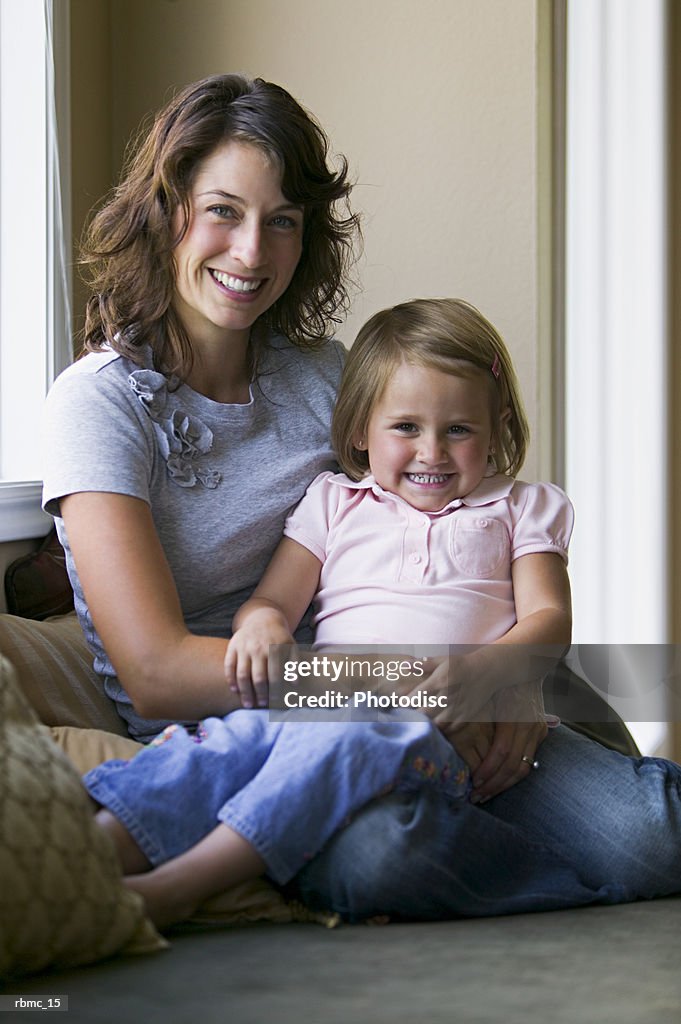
[428,478]
[235,284]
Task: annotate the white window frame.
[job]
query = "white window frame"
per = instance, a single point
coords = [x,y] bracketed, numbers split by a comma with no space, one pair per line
[616,332]
[30,360]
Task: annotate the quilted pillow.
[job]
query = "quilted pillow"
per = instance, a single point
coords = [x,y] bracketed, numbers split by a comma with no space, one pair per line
[61,900]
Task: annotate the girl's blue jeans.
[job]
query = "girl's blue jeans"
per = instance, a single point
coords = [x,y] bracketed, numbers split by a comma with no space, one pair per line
[590,825]
[286,786]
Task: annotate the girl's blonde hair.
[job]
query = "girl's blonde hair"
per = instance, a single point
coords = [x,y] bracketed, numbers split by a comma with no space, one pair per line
[448,335]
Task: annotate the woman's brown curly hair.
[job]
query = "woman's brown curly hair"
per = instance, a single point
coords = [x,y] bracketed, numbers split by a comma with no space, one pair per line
[128,248]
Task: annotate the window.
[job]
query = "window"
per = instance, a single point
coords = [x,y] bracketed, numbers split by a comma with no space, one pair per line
[34,285]
[616,417]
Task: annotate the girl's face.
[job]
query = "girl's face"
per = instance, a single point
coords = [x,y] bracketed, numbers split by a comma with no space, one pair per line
[429,436]
[241,247]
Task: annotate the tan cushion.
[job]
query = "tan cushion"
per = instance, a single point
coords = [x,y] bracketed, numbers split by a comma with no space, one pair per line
[62,902]
[54,670]
[86,748]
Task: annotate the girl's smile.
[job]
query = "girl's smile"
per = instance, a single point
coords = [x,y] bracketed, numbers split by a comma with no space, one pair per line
[429,435]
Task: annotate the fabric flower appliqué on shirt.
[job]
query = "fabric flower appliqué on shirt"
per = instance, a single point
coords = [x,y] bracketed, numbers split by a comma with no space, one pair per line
[182,439]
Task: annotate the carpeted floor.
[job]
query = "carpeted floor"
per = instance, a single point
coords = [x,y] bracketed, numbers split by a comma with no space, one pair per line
[599,965]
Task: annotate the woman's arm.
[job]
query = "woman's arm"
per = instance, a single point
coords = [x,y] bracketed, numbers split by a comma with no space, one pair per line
[166,670]
[269,617]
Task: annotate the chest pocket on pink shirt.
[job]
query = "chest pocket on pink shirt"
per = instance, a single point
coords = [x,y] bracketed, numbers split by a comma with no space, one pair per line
[479,545]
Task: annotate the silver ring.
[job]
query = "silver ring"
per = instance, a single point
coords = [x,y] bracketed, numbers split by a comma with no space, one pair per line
[533,764]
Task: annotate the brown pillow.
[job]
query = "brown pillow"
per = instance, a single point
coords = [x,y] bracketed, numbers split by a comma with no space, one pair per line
[37,585]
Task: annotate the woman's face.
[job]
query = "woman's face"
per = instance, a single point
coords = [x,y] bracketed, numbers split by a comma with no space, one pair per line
[241,247]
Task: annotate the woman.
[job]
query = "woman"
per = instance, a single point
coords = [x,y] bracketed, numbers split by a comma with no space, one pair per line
[202,409]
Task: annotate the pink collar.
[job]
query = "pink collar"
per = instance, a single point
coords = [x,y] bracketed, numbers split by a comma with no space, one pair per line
[490,489]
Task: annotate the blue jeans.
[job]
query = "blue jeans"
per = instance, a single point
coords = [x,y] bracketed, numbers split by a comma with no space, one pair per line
[590,825]
[286,785]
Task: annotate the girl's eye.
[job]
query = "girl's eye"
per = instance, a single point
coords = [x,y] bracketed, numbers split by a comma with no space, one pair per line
[405,428]
[458,431]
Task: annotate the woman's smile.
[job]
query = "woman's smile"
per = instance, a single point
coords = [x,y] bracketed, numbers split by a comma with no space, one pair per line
[239,288]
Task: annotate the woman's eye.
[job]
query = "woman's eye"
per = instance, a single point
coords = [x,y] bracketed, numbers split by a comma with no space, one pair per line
[282,221]
[225,212]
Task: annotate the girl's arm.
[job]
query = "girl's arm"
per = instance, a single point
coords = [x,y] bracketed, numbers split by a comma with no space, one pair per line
[529,649]
[541,635]
[167,671]
[269,617]
[541,591]
[495,716]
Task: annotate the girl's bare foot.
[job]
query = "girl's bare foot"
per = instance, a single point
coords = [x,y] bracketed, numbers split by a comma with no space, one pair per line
[165,898]
[174,890]
[130,857]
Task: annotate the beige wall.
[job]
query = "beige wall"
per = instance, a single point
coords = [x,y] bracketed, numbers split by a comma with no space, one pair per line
[435,105]
[92,167]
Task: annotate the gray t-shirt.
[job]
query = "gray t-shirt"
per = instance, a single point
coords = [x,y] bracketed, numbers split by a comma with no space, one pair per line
[220,479]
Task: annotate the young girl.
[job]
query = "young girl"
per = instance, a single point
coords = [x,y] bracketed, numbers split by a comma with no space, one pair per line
[425,539]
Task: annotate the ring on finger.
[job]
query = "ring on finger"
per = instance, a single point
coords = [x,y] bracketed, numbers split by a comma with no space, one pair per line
[531,761]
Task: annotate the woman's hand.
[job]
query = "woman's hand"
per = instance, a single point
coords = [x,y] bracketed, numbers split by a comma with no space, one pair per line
[471,740]
[503,765]
[494,750]
[247,662]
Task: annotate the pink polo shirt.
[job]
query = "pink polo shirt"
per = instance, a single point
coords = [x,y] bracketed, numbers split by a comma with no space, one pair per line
[393,574]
